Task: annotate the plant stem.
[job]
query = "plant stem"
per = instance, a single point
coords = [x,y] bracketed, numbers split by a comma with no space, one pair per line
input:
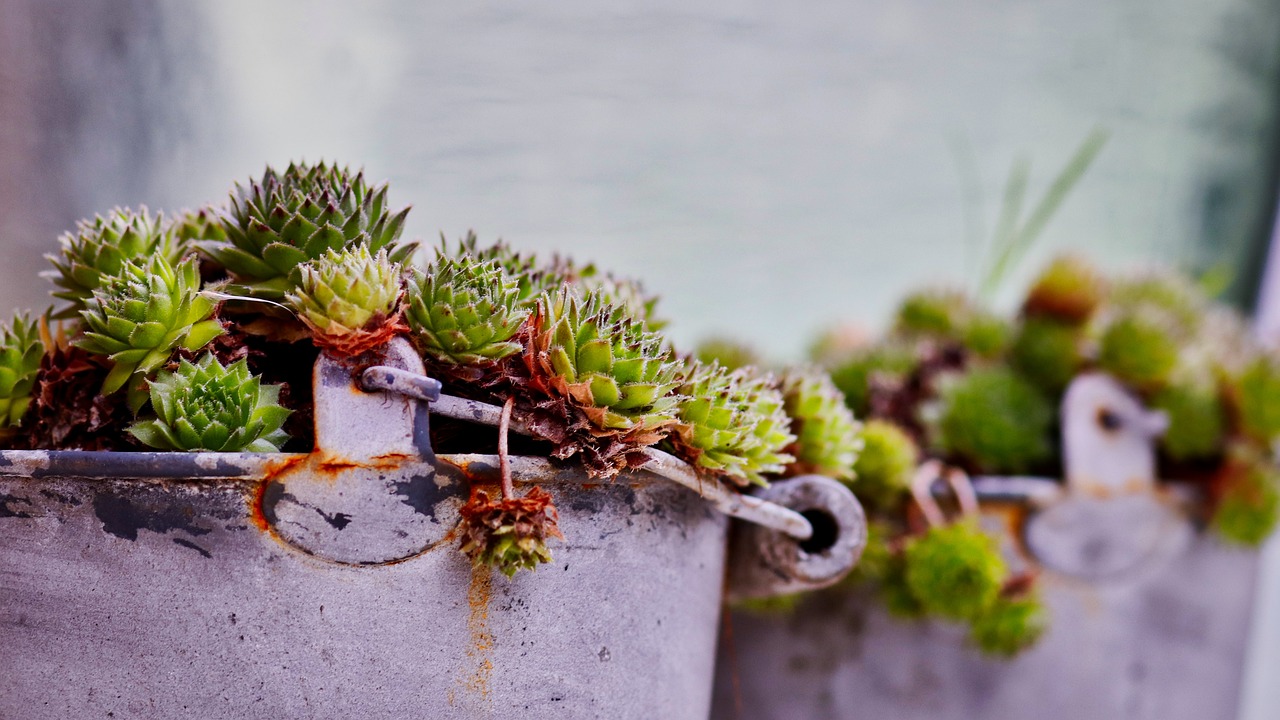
[504,464]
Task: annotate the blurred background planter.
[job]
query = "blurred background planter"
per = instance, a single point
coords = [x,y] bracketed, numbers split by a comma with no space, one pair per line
[1148,618]
[238,585]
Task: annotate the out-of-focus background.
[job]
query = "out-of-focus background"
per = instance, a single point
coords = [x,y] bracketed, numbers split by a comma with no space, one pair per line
[769,169]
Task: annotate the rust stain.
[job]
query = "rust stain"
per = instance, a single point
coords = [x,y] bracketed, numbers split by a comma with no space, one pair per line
[278,468]
[480,651]
[256,516]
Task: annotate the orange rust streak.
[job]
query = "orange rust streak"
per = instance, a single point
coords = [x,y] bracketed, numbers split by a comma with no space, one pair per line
[482,640]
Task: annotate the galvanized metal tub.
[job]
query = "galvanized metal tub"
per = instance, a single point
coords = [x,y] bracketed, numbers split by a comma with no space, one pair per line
[1169,645]
[162,585]
[1149,618]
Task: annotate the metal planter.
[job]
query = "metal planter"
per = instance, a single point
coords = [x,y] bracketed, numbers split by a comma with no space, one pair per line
[1149,620]
[162,585]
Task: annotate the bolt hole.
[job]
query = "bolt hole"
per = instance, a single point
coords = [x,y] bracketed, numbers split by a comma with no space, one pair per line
[825,532]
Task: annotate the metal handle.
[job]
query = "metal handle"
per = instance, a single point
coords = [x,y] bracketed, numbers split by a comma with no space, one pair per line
[725,499]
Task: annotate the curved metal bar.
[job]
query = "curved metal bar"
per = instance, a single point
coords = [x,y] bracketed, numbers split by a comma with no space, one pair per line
[721,496]
[141,465]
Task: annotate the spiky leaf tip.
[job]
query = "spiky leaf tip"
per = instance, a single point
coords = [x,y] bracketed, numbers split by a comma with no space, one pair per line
[21,350]
[886,464]
[278,223]
[1068,290]
[1009,626]
[349,298]
[201,224]
[607,363]
[465,311]
[139,317]
[100,248]
[827,434]
[204,406]
[733,423]
[954,571]
[990,418]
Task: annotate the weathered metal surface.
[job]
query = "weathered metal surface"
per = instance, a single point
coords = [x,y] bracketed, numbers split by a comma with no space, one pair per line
[1149,621]
[1168,646]
[768,563]
[152,599]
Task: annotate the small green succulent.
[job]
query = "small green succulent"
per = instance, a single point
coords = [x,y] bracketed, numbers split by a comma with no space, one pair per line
[1009,626]
[828,436]
[1140,348]
[733,422]
[531,278]
[287,219]
[205,406]
[202,224]
[622,375]
[509,534]
[21,350]
[986,334]
[465,311]
[886,464]
[349,299]
[937,312]
[1067,291]
[991,418]
[1257,398]
[954,571]
[100,248]
[882,364]
[1197,420]
[140,316]
[1048,352]
[1249,504]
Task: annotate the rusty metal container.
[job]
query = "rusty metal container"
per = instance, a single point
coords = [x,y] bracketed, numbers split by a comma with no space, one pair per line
[163,585]
[1149,617]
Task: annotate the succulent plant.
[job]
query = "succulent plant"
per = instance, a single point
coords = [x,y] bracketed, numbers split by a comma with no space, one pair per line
[100,248]
[621,375]
[992,419]
[886,464]
[465,311]
[1257,398]
[287,219]
[21,350]
[878,365]
[1140,348]
[1248,505]
[1197,420]
[1009,626]
[827,434]
[202,224]
[1048,352]
[205,406]
[349,299]
[986,334]
[139,317]
[1068,291]
[938,312]
[954,571]
[531,278]
[509,534]
[732,354]
[733,423]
